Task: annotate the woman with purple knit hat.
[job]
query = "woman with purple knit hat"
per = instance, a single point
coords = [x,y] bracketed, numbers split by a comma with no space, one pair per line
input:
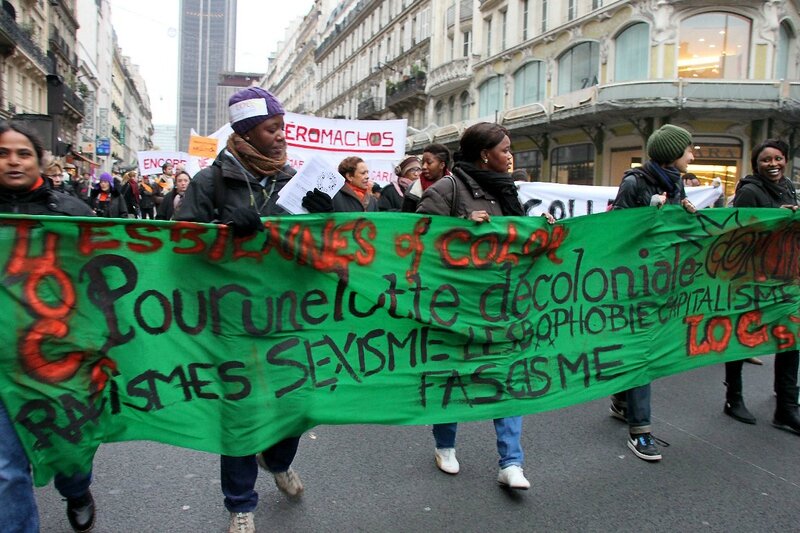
[241,186]
[106,200]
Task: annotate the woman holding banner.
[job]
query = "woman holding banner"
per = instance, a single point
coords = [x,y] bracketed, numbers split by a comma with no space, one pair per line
[767,187]
[237,189]
[479,188]
[24,191]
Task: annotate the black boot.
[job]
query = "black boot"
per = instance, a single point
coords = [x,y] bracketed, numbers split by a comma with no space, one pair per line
[734,402]
[787,416]
[735,407]
[80,512]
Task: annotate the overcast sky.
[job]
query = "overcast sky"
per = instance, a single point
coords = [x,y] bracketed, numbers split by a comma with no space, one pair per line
[147,31]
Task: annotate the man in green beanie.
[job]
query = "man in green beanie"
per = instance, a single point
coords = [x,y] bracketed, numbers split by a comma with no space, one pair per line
[656,183]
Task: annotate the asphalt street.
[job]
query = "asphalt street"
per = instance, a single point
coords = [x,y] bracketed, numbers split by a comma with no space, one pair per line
[717,475]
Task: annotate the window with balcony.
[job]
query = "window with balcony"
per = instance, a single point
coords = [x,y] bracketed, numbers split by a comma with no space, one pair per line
[491,96]
[529,84]
[573,164]
[632,53]
[714,45]
[578,67]
[785,44]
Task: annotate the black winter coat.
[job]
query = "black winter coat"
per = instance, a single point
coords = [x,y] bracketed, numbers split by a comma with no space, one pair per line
[113,208]
[391,200]
[757,191]
[43,201]
[346,201]
[166,211]
[638,187]
[203,202]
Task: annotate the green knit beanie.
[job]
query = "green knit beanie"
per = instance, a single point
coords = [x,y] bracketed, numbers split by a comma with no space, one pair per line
[668,143]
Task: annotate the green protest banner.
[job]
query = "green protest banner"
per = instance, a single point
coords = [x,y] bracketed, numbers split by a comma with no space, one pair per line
[179,333]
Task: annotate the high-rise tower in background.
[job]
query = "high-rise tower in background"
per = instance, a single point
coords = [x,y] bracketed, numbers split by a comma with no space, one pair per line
[207,48]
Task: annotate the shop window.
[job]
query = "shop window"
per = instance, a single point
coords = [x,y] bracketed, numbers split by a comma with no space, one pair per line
[632,53]
[531,162]
[529,84]
[578,67]
[573,164]
[717,158]
[714,45]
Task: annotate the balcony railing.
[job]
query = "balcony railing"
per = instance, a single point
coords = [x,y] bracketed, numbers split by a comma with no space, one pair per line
[369,107]
[73,100]
[13,33]
[443,77]
[412,88]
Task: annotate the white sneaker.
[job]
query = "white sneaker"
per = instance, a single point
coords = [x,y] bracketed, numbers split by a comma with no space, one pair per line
[512,477]
[242,523]
[446,460]
[289,483]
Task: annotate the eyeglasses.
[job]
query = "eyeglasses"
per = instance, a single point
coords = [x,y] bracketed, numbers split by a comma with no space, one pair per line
[414,170]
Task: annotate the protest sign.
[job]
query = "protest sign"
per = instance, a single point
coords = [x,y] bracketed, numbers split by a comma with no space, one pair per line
[565,201]
[203,146]
[230,345]
[150,162]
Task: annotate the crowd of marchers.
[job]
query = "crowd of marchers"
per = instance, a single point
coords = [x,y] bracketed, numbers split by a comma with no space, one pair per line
[474,184]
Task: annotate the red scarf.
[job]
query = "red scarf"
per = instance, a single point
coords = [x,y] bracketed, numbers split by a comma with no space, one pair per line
[426,182]
[358,190]
[39,182]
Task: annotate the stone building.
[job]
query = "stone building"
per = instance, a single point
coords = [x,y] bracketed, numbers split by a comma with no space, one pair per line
[580,84]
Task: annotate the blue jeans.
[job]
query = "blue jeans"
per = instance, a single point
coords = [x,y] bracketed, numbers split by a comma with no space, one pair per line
[637,404]
[238,474]
[508,431]
[18,512]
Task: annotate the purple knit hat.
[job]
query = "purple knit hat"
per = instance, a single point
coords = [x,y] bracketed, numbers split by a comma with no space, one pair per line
[250,107]
[105,176]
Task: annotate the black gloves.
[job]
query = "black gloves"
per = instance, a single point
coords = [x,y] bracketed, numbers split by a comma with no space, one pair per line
[317,201]
[245,222]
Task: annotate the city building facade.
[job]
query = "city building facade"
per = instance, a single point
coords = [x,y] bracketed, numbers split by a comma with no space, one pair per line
[207,47]
[580,84]
[38,69]
[372,60]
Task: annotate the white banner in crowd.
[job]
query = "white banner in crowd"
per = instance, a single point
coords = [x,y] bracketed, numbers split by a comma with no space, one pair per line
[565,201]
[380,143]
[150,162]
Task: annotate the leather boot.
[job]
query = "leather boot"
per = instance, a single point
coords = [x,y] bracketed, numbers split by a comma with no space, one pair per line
[735,407]
[734,402]
[786,416]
